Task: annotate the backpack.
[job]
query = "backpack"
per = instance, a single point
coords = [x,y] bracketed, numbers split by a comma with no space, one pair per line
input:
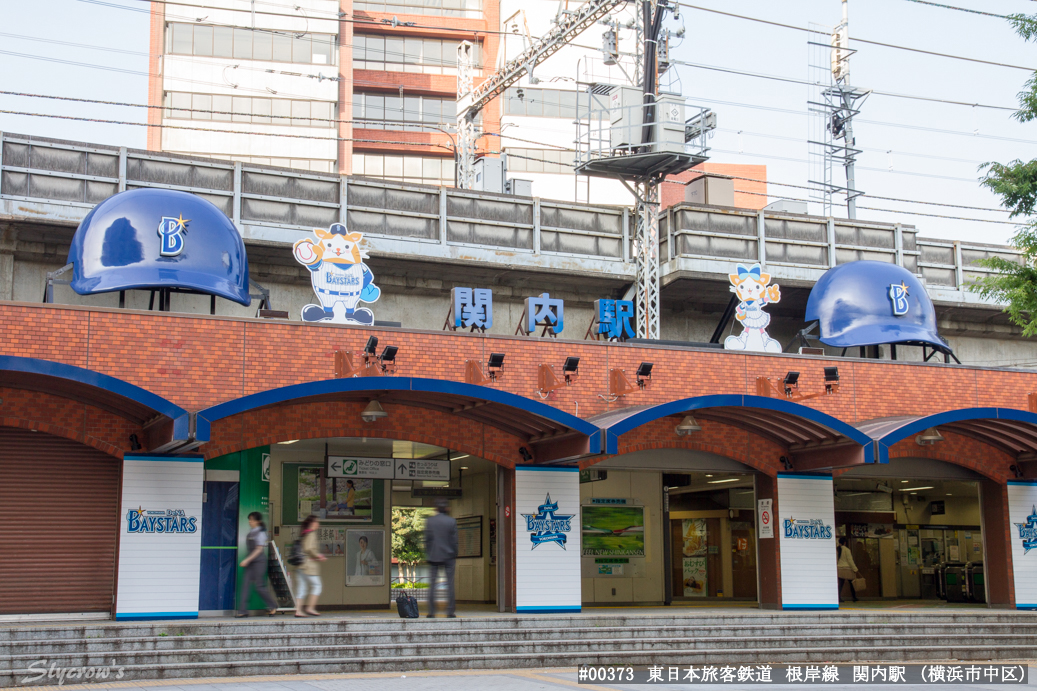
[296,557]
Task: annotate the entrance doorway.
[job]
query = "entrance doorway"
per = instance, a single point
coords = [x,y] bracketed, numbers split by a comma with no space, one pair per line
[913,538]
[712,536]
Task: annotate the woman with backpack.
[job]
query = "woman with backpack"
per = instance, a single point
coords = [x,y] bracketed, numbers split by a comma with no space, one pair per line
[255,565]
[308,585]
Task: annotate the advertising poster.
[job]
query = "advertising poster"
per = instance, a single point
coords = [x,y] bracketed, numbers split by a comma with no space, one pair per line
[695,577]
[695,550]
[547,539]
[805,526]
[613,531]
[365,557]
[342,499]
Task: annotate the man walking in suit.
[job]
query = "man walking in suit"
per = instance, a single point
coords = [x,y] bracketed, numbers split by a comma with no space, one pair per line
[441,551]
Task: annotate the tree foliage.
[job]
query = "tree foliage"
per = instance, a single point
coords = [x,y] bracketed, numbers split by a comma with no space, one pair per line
[1014,283]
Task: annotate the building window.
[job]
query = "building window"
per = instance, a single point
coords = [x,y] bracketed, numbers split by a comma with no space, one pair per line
[396,54]
[471,9]
[540,161]
[251,109]
[249,44]
[390,112]
[314,165]
[540,103]
[426,170]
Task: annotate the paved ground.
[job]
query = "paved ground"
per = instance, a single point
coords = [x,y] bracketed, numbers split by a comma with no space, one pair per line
[497,680]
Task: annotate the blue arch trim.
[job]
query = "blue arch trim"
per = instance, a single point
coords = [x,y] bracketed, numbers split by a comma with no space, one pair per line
[683,405]
[918,425]
[59,370]
[352,384]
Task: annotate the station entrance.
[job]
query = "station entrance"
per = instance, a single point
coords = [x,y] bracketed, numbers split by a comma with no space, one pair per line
[915,531]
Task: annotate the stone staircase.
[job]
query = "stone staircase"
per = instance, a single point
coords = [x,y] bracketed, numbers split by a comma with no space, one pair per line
[191,649]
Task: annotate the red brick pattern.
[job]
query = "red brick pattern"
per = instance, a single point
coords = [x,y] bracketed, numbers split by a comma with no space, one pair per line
[62,417]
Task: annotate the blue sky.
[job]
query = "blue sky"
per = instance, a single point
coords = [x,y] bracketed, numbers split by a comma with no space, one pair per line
[903,157]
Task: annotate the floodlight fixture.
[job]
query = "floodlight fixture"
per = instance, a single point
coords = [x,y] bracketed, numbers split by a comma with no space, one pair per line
[929,437]
[831,379]
[134,443]
[526,456]
[495,365]
[372,346]
[388,354]
[791,381]
[571,369]
[644,374]
[374,411]
[687,426]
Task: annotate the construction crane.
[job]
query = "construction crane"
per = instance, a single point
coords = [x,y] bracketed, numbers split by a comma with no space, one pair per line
[471,99]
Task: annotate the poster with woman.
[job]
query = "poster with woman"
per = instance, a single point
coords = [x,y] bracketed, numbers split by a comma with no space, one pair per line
[365,557]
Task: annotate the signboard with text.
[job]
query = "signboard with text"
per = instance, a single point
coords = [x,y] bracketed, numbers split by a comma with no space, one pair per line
[387,468]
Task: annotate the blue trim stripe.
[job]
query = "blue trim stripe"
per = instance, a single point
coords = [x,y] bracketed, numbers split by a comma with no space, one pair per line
[1021,606]
[59,370]
[353,384]
[548,468]
[685,405]
[802,607]
[179,459]
[1028,483]
[554,610]
[157,615]
[805,476]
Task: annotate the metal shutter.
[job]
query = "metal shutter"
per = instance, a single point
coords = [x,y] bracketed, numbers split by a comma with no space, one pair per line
[59,522]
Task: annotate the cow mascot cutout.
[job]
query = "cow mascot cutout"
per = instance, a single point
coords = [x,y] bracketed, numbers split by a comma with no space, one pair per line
[752,287]
[339,276]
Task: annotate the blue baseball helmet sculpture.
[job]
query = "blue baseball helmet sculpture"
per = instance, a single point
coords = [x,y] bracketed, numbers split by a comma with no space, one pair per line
[869,303]
[151,238]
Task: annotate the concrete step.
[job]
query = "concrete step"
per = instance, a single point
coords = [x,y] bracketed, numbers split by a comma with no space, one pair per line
[424,635]
[674,655]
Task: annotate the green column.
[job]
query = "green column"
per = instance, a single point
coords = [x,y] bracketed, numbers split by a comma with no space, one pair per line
[253,495]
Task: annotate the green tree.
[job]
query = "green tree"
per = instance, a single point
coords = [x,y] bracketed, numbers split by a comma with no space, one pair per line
[408,538]
[1015,282]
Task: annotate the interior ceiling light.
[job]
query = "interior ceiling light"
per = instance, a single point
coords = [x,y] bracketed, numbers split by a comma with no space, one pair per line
[916,489]
[717,482]
[290,441]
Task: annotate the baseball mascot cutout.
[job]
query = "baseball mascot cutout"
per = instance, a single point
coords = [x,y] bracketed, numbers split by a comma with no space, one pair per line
[339,276]
[751,287]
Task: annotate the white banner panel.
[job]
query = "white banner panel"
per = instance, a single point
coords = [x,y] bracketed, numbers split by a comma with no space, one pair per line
[806,534]
[160,537]
[547,539]
[1022,518]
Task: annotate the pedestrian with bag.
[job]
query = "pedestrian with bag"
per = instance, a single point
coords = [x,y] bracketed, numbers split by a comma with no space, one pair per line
[441,553]
[307,581]
[847,569]
[256,566]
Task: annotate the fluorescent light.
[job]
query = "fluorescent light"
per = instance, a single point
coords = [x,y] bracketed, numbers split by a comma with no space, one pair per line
[708,475]
[905,481]
[288,442]
[458,458]
[915,489]
[717,482]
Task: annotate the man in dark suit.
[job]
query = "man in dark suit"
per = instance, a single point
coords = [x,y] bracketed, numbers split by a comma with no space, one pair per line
[441,551]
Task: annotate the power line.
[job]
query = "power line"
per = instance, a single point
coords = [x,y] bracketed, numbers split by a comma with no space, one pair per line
[960,9]
[860,40]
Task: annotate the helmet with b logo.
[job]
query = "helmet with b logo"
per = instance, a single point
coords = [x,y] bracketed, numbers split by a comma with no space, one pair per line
[869,303]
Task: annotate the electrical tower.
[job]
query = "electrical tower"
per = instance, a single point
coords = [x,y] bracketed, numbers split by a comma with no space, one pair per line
[833,105]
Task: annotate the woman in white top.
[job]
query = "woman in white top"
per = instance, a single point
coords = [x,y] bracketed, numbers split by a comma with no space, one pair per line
[365,559]
[847,568]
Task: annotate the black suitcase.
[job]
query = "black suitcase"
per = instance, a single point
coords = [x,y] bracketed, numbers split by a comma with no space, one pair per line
[407,606]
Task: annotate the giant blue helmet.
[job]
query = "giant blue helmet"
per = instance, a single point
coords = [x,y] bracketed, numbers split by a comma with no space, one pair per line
[868,303]
[153,238]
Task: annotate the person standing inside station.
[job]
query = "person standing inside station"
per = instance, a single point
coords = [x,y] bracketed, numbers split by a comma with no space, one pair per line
[255,565]
[441,551]
[847,568]
[308,585]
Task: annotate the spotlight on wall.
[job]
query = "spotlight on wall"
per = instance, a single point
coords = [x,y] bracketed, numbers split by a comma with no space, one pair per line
[495,366]
[571,369]
[134,443]
[786,462]
[791,381]
[1016,470]
[526,456]
[929,437]
[831,379]
[373,412]
[372,346]
[644,374]
[387,360]
[687,426]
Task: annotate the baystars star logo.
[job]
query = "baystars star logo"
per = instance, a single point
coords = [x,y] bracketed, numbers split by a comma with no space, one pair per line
[547,526]
[1028,530]
[172,230]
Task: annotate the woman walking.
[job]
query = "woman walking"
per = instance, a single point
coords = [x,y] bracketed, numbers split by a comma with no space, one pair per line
[847,568]
[308,586]
[255,565]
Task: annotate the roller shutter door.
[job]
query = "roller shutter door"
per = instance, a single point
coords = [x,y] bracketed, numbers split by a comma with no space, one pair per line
[59,518]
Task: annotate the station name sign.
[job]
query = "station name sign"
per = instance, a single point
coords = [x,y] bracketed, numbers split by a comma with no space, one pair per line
[350,467]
